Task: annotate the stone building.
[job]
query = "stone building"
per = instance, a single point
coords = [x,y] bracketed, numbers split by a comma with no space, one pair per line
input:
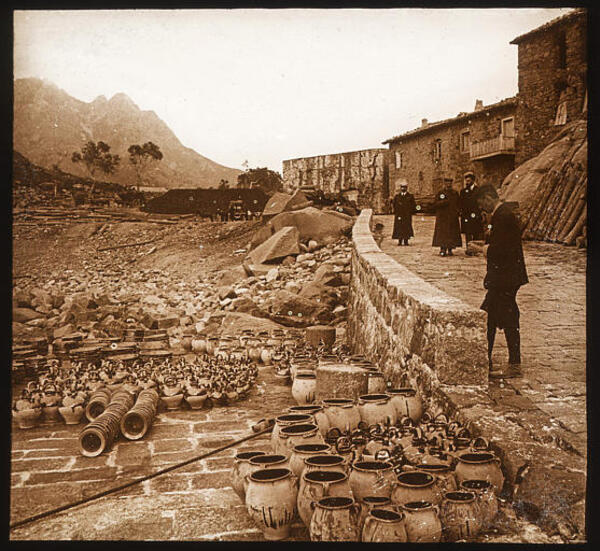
[357,175]
[552,81]
[482,141]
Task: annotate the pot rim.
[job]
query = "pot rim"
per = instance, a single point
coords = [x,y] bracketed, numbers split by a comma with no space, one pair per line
[294,417]
[270,475]
[272,461]
[322,476]
[421,505]
[339,402]
[335,502]
[305,375]
[300,428]
[306,448]
[312,409]
[374,398]
[402,391]
[362,466]
[411,474]
[479,483]
[382,500]
[339,460]
[246,456]
[465,497]
[433,467]
[476,458]
[381,514]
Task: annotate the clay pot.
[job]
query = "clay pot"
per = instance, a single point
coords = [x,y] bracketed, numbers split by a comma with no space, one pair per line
[138,420]
[372,502]
[459,516]
[317,485]
[486,500]
[415,486]
[28,418]
[480,466]
[376,408]
[271,501]
[266,461]
[317,412]
[304,451]
[294,435]
[372,478]
[254,353]
[172,402]
[383,525]
[325,462]
[422,522]
[376,383]
[71,415]
[99,401]
[50,415]
[241,468]
[335,519]
[406,402]
[304,388]
[197,401]
[266,355]
[286,421]
[445,479]
[342,413]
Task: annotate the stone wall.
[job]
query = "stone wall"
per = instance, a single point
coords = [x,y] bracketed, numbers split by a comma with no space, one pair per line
[365,171]
[409,327]
[551,61]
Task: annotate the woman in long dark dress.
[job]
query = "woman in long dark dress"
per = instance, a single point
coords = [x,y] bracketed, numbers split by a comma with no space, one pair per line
[446,235]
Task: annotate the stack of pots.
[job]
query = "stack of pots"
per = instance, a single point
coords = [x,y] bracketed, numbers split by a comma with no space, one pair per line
[40,344]
[159,355]
[87,354]
[100,433]
[97,403]
[136,422]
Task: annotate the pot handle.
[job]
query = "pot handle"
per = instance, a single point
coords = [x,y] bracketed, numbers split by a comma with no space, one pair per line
[295,480]
[482,440]
[313,504]
[326,486]
[368,521]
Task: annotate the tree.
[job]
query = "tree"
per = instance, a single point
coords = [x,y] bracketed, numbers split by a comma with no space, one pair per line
[142,157]
[96,157]
[223,184]
[263,178]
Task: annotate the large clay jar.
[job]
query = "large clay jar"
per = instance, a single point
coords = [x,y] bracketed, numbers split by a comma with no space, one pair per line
[286,421]
[305,451]
[266,461]
[28,418]
[415,486]
[459,516]
[445,479]
[317,412]
[304,388]
[271,501]
[71,415]
[383,525]
[325,462]
[372,502]
[376,408]
[486,500]
[422,522]
[480,466]
[372,478]
[294,435]
[317,485]
[335,519]
[406,402]
[342,413]
[241,468]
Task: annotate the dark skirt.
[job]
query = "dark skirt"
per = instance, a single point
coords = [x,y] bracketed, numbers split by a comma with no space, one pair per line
[501,307]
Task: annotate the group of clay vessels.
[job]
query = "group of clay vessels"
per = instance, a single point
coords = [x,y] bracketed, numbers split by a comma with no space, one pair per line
[369,471]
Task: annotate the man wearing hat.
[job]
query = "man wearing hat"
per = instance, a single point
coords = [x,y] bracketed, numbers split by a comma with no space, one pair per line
[506,272]
[446,235]
[471,223]
[404,206]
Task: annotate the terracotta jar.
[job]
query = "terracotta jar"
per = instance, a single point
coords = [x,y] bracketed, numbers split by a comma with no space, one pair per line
[305,451]
[71,415]
[406,402]
[241,467]
[342,413]
[271,501]
[304,388]
[486,499]
[317,412]
[286,421]
[294,435]
[422,522]
[320,484]
[383,525]
[372,502]
[335,519]
[325,462]
[480,466]
[415,486]
[266,461]
[376,408]
[372,478]
[445,479]
[28,418]
[459,516]
[172,402]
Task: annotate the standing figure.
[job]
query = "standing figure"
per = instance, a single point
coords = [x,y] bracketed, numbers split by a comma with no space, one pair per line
[506,272]
[446,235]
[471,222]
[404,206]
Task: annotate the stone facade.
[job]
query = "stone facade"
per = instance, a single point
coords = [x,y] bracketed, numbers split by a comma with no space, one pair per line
[481,141]
[552,71]
[363,171]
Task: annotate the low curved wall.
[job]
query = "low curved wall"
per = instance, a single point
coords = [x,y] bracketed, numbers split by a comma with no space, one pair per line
[408,326]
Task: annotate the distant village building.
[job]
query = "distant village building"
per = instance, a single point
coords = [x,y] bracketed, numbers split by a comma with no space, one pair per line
[357,175]
[482,141]
[552,81]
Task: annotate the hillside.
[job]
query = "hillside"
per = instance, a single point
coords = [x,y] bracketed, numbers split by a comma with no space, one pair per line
[49,125]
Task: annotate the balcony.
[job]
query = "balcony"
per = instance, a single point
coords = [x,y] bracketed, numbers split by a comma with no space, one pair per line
[500,145]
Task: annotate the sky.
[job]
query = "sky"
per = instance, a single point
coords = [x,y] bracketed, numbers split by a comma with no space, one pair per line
[266,85]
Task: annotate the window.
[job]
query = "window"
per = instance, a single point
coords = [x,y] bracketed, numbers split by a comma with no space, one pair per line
[437,150]
[465,141]
[507,128]
[400,163]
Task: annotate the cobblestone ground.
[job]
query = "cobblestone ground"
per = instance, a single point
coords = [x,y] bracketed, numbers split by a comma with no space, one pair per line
[553,320]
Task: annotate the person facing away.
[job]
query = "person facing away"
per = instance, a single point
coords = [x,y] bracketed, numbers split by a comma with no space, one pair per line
[446,234]
[505,274]
[471,222]
[378,233]
[404,206]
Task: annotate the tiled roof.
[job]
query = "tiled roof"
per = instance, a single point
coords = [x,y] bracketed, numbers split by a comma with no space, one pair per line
[579,12]
[460,117]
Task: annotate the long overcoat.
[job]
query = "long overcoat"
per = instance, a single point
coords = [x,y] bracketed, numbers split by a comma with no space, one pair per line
[471,221]
[404,206]
[447,228]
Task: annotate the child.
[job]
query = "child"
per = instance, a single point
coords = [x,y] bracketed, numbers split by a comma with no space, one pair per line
[378,233]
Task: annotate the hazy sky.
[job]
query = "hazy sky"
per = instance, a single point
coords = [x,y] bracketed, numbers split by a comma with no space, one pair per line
[268,85]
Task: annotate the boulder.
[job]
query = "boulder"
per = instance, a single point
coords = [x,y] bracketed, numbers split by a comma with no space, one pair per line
[297,201]
[319,293]
[322,226]
[272,274]
[232,275]
[23,315]
[247,306]
[282,243]
[237,322]
[261,235]
[325,274]
[290,305]
[276,204]
[257,270]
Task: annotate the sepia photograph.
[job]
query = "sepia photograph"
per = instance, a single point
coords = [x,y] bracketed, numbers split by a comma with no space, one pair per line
[299,275]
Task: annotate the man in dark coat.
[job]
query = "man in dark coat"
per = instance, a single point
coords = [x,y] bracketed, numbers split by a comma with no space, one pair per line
[471,222]
[446,235]
[403,205]
[506,272]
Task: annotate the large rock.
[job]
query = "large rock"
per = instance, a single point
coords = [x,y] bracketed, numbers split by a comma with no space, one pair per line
[23,315]
[261,235]
[236,322]
[322,226]
[326,275]
[276,204]
[282,243]
[291,309]
[319,293]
